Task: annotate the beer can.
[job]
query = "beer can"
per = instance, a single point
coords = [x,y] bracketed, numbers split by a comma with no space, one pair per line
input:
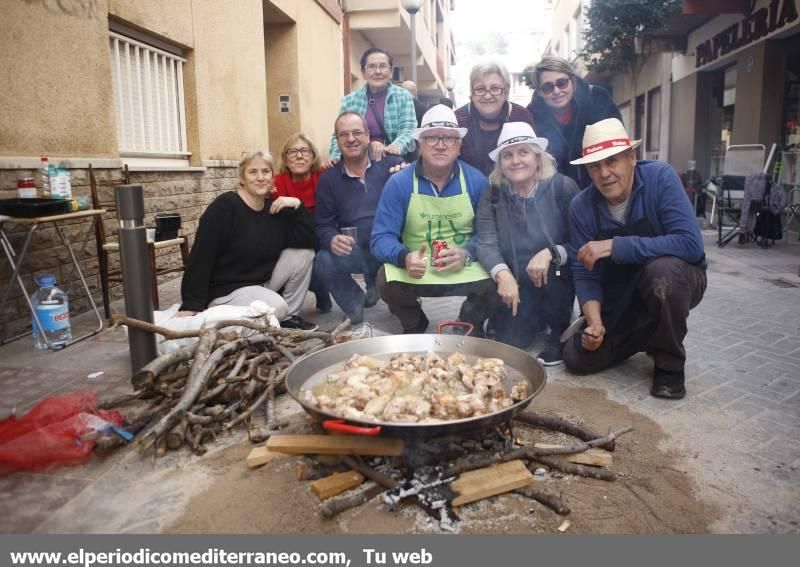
[436,247]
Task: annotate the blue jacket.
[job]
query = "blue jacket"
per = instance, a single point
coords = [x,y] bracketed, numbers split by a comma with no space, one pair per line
[344,201]
[657,195]
[390,219]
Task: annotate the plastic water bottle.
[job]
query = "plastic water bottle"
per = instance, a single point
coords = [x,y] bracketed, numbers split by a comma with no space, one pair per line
[43,178]
[52,309]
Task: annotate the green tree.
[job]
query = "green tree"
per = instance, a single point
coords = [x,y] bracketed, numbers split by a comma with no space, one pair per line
[614,26]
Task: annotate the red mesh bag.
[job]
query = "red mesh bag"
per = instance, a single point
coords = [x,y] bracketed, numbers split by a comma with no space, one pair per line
[55,432]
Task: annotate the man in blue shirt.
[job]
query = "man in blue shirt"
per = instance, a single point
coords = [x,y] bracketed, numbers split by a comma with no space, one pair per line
[346,199]
[435,199]
[638,260]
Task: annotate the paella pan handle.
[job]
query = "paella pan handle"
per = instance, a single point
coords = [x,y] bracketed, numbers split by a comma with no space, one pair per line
[340,426]
[444,324]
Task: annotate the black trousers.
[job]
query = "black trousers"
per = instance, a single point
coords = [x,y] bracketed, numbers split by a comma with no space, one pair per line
[550,305]
[403,299]
[654,321]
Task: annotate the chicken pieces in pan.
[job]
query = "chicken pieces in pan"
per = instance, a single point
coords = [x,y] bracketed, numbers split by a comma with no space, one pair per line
[415,389]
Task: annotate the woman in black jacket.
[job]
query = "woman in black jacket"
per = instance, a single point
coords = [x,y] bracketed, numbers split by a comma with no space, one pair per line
[523,230]
[562,106]
[247,249]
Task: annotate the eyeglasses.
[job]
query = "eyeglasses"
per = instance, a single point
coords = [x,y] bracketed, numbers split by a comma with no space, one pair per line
[548,87]
[378,67]
[294,152]
[353,133]
[448,141]
[494,91]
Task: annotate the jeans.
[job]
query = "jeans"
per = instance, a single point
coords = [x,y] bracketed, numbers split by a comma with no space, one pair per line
[403,300]
[655,320]
[550,305]
[337,272]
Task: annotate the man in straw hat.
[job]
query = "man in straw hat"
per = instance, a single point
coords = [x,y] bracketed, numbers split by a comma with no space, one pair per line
[432,200]
[639,266]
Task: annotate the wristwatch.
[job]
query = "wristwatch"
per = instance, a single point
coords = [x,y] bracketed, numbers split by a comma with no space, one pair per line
[468,258]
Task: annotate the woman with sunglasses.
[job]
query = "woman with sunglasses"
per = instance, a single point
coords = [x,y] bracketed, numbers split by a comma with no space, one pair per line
[485,114]
[388,109]
[563,105]
[300,169]
[523,230]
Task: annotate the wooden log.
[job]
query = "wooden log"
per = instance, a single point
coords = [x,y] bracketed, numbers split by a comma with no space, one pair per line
[552,502]
[562,425]
[336,483]
[594,457]
[491,481]
[336,445]
[177,435]
[572,468]
[260,456]
[336,506]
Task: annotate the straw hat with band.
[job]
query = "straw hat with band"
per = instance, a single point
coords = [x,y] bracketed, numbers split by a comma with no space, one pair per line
[604,139]
[515,133]
[439,116]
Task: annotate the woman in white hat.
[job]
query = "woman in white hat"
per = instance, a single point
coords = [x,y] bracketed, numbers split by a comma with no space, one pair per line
[523,230]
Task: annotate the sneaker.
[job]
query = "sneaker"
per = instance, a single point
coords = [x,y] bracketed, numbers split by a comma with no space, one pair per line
[295,322]
[551,355]
[371,296]
[356,316]
[420,328]
[324,303]
[669,385]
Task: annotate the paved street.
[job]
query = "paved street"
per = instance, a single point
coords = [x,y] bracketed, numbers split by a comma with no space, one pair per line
[737,432]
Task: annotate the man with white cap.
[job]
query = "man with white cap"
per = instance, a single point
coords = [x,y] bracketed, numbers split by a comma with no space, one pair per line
[434,200]
[639,264]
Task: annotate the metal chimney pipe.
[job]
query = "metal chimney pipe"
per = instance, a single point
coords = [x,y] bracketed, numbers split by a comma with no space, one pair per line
[136,276]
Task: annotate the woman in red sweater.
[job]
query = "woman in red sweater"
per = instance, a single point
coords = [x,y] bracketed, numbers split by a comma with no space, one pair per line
[300,168]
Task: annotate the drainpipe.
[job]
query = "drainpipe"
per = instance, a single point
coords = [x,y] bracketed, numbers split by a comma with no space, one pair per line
[346,51]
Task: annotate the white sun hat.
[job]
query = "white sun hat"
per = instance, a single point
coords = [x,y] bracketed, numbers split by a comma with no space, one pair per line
[515,133]
[439,116]
[604,139]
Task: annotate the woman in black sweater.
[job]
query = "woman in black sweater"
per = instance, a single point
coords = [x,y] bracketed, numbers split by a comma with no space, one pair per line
[246,249]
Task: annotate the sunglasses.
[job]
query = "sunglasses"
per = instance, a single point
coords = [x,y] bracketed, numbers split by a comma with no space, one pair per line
[549,87]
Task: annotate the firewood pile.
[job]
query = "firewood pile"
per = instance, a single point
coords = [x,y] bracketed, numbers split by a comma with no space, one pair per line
[441,475]
[189,396]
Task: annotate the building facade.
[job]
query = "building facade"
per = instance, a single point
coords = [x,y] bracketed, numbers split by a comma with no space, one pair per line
[386,24]
[720,73]
[177,91]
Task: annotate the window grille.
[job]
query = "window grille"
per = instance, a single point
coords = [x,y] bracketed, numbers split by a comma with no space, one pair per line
[148,98]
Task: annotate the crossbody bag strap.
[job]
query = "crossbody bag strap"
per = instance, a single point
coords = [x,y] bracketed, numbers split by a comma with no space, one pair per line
[378,119]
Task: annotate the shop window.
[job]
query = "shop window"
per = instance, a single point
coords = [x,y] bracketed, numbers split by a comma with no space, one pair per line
[148,98]
[653,119]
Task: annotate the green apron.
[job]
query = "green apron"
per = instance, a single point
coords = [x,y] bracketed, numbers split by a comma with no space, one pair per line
[432,218]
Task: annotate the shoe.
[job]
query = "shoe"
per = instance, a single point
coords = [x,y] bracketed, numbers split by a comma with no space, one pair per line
[420,328]
[324,303]
[356,316]
[295,322]
[372,296]
[669,385]
[551,355]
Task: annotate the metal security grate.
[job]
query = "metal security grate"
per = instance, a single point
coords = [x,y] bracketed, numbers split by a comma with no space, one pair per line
[148,98]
